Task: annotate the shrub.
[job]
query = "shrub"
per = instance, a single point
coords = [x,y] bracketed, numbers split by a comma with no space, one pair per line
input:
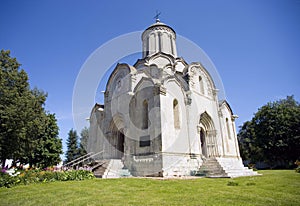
[250,183]
[298,166]
[35,176]
[7,180]
[252,166]
[232,183]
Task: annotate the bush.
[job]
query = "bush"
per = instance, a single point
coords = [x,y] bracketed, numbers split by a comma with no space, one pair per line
[252,166]
[250,183]
[8,181]
[35,176]
[232,183]
[298,166]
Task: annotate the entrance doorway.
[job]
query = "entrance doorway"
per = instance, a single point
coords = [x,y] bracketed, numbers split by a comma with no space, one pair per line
[120,144]
[208,136]
[203,143]
[117,138]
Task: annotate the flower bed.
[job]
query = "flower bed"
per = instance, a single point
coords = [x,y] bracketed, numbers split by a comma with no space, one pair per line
[35,176]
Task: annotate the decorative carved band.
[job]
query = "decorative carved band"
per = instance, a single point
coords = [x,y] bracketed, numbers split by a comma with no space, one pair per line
[160,28]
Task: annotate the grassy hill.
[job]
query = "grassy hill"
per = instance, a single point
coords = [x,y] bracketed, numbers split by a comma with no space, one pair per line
[274,187]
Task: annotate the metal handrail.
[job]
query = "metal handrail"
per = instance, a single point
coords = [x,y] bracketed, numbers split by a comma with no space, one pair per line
[97,165]
[77,159]
[86,158]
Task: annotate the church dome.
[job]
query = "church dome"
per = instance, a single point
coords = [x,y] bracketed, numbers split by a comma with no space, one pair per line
[159,37]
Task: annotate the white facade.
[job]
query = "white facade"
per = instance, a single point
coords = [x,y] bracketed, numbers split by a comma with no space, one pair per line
[162,116]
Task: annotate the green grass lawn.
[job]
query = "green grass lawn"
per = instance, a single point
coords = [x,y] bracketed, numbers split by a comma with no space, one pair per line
[274,187]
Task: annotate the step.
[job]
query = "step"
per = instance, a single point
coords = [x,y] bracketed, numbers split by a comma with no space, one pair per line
[100,168]
[235,168]
[115,169]
[211,168]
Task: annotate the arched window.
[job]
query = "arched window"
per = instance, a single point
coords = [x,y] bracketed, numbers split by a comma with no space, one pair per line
[176,114]
[201,85]
[228,128]
[147,46]
[145,115]
[159,42]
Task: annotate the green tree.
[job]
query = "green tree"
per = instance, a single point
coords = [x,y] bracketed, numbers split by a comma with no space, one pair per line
[72,146]
[14,93]
[23,119]
[35,124]
[273,134]
[84,135]
[49,145]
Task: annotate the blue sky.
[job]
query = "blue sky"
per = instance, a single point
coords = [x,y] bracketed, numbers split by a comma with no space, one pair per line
[254,44]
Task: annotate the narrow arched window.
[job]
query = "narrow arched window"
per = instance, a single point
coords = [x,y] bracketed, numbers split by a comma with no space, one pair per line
[145,115]
[159,42]
[176,114]
[228,128]
[201,85]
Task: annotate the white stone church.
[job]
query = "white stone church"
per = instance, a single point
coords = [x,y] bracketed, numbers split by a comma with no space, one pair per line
[162,117]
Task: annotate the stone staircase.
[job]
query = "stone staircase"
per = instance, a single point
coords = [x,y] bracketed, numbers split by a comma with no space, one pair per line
[116,169]
[99,168]
[211,168]
[224,167]
[235,168]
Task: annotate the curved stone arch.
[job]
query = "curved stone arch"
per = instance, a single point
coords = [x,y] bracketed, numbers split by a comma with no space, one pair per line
[117,122]
[168,67]
[154,71]
[226,105]
[206,127]
[98,111]
[142,82]
[182,84]
[206,122]
[120,71]
[152,59]
[195,70]
[199,68]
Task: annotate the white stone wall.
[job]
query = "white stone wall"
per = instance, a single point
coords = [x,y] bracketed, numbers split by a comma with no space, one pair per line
[231,148]
[174,140]
[94,134]
[175,164]
[159,38]
[160,78]
[204,100]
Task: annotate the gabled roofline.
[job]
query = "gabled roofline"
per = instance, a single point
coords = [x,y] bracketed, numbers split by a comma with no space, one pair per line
[152,56]
[224,102]
[131,69]
[203,68]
